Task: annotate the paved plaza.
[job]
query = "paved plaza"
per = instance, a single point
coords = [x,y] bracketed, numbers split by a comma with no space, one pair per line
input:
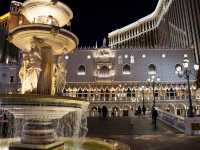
[142,135]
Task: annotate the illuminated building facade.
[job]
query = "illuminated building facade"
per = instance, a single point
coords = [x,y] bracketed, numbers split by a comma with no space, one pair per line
[174,24]
[114,78]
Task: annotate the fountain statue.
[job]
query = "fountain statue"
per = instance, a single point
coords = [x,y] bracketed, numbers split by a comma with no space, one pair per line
[42,74]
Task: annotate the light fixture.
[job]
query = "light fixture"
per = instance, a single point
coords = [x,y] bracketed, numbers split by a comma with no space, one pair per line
[126,56]
[163,56]
[185,62]
[143,55]
[178,68]
[66,57]
[88,56]
[196,67]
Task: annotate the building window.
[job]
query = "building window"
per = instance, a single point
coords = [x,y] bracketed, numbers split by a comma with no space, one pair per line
[132,60]
[81,70]
[126,69]
[104,71]
[152,69]
[11,79]
[120,59]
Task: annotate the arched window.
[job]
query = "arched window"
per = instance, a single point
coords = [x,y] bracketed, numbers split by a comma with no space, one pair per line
[104,71]
[152,69]
[79,93]
[81,70]
[119,59]
[128,92]
[126,69]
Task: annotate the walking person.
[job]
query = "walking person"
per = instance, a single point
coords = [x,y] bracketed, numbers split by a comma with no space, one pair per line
[139,111]
[154,116]
[5,126]
[144,110]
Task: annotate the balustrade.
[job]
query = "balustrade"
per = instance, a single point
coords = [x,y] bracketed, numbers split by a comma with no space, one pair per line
[173,120]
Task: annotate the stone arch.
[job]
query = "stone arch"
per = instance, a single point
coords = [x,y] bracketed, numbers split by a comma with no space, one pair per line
[125,110]
[94,111]
[115,111]
[79,92]
[181,109]
[171,108]
[105,111]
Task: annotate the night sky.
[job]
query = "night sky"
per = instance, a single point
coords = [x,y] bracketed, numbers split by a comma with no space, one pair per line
[94,19]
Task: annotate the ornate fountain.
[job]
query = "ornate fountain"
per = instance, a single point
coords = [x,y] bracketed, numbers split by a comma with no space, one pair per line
[42,73]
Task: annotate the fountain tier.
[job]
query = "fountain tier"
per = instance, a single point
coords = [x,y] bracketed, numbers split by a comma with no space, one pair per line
[59,40]
[47,12]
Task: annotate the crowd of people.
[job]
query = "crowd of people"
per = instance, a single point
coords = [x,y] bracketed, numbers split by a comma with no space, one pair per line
[142,111]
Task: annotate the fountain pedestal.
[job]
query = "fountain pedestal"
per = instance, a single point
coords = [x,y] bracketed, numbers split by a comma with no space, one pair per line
[39,134]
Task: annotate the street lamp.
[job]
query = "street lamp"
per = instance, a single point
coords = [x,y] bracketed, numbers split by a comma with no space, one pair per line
[142,90]
[153,79]
[182,70]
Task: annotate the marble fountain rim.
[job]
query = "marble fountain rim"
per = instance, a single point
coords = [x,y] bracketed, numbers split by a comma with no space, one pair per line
[41,100]
[60,39]
[63,7]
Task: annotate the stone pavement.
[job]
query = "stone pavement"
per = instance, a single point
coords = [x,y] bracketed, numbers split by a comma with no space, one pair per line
[142,135]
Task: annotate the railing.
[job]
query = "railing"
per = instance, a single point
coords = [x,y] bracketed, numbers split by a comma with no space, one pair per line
[172,120]
[9,88]
[98,96]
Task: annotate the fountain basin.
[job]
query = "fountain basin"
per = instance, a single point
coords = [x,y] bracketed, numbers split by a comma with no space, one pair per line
[40,107]
[34,9]
[87,144]
[38,113]
[59,40]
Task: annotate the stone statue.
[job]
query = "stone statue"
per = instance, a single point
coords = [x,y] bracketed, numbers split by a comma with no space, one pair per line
[30,70]
[59,75]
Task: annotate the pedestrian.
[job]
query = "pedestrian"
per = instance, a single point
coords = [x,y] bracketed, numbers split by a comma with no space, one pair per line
[5,126]
[104,112]
[113,114]
[99,111]
[155,115]
[139,111]
[144,110]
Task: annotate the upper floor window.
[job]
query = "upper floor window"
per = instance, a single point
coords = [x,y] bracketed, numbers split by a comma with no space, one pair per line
[152,69]
[132,60]
[11,79]
[81,70]
[120,59]
[126,69]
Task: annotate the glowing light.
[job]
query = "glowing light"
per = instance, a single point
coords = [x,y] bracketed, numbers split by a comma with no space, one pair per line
[163,55]
[144,56]
[196,67]
[126,56]
[66,57]
[88,56]
[5,16]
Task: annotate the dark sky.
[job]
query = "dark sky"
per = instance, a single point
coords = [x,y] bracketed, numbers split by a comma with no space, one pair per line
[94,19]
